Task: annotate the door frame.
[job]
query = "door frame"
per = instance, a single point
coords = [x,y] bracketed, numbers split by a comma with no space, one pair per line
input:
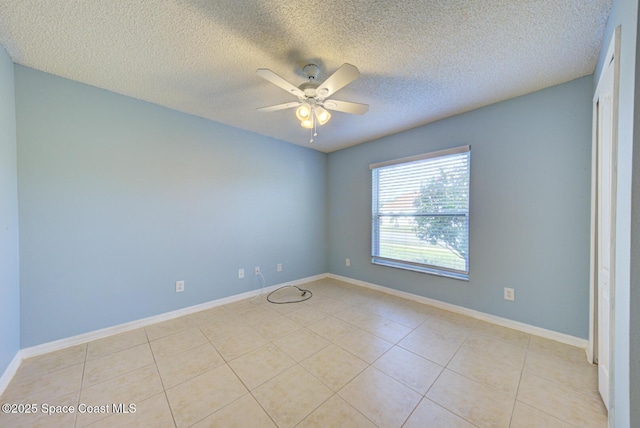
[612,58]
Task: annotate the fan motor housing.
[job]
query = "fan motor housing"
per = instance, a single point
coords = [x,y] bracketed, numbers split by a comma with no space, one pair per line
[309,89]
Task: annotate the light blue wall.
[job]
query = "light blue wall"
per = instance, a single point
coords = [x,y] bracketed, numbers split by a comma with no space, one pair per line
[120,198]
[530,196]
[9,261]
[624,13]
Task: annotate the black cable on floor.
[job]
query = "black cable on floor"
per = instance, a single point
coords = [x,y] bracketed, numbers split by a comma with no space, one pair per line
[302,290]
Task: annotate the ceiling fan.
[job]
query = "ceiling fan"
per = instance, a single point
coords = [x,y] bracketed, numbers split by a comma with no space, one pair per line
[313,98]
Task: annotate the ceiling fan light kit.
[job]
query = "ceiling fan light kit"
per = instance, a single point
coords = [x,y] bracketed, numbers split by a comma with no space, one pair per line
[303,112]
[312,102]
[322,115]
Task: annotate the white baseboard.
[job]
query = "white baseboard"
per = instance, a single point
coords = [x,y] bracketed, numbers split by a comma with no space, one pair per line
[121,328]
[44,348]
[10,371]
[526,328]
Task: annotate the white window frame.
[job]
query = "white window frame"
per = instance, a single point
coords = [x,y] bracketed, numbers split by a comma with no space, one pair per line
[376,258]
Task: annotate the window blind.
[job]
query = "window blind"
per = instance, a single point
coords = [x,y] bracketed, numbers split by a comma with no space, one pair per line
[420,213]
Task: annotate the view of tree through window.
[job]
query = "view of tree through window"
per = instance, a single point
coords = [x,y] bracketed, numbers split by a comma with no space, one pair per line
[421,213]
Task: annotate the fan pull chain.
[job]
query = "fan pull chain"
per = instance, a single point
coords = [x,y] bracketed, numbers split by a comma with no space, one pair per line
[314,130]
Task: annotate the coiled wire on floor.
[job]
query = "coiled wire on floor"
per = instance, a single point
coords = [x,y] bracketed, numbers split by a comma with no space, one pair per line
[304,294]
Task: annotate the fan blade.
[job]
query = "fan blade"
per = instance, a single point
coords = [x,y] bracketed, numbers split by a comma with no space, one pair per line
[272,77]
[338,80]
[346,106]
[279,106]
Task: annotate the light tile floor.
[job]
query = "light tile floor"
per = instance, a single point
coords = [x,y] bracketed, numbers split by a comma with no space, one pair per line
[348,357]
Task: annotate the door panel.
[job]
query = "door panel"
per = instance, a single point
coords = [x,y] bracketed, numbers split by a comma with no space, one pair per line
[605,152]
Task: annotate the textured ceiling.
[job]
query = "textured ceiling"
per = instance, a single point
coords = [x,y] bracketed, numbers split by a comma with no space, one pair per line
[419,60]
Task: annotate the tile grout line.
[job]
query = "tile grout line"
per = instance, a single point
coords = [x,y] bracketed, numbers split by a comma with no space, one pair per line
[84,368]
[164,389]
[524,362]
[249,391]
[334,393]
[298,363]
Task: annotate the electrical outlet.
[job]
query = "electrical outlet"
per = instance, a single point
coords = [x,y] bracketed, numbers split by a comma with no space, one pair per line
[179,286]
[347,262]
[256,271]
[240,273]
[279,267]
[509,294]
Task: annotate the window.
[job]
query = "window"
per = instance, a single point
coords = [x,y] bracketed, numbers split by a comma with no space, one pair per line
[421,213]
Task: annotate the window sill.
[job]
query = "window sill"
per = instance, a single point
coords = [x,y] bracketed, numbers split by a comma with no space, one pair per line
[420,268]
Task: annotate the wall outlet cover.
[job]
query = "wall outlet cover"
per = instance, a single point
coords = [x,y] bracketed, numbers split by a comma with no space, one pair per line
[509,294]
